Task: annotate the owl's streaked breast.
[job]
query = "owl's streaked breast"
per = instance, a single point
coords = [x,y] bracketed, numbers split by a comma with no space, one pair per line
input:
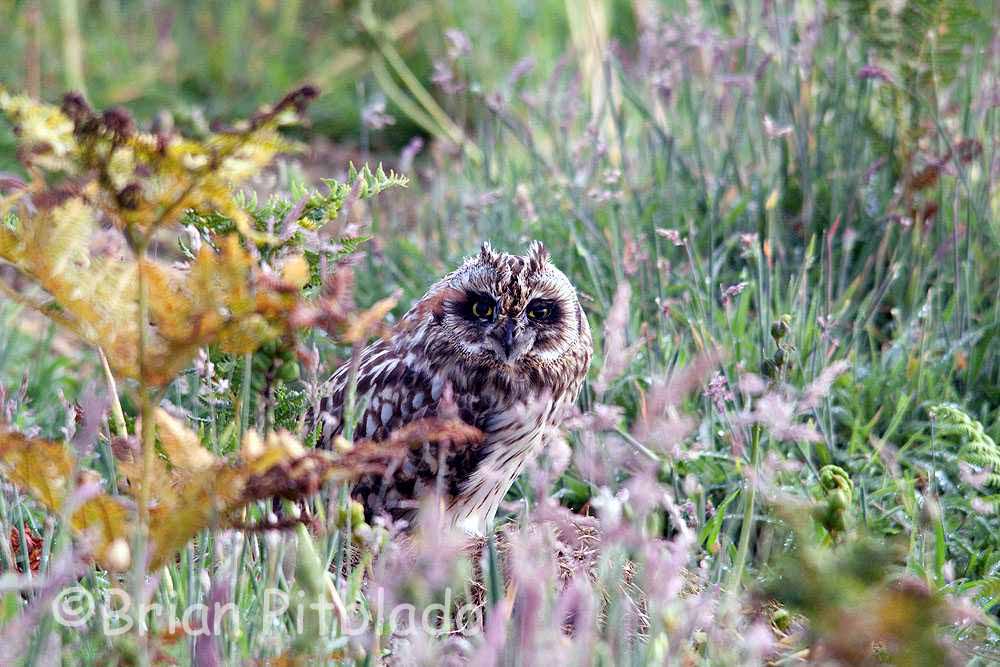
[513,436]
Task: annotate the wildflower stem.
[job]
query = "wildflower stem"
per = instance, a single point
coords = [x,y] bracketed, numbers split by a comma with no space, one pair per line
[439,119]
[148,440]
[406,105]
[748,507]
[121,428]
[69,17]
[646,451]
[245,393]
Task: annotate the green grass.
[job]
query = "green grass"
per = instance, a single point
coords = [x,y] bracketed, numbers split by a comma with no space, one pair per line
[780,167]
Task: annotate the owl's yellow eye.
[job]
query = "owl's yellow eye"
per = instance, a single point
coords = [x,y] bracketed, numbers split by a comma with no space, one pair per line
[482,309]
[540,311]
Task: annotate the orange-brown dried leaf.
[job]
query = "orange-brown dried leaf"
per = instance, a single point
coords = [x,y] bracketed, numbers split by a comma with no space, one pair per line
[45,469]
[177,174]
[105,520]
[197,489]
[433,429]
[151,179]
[295,271]
[217,299]
[181,445]
[361,325]
[33,545]
[201,490]
[45,134]
[96,292]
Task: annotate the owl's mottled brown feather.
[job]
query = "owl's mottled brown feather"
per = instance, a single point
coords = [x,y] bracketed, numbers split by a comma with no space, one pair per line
[508,374]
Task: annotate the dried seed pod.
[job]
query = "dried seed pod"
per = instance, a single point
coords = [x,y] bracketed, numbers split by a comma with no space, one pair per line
[76,108]
[119,122]
[130,196]
[779,330]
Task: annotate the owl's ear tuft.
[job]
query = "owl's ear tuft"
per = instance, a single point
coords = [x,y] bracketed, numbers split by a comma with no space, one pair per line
[487,254]
[538,256]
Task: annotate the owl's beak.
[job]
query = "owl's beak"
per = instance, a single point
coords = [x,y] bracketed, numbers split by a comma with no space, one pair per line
[505,335]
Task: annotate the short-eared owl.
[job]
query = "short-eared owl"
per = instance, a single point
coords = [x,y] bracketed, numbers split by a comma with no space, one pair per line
[502,340]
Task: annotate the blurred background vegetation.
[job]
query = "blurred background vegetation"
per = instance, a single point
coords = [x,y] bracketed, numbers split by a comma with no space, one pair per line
[225,59]
[829,165]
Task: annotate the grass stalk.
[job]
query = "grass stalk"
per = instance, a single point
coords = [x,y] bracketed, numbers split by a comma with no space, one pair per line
[147,438]
[73,57]
[121,428]
[245,393]
[750,498]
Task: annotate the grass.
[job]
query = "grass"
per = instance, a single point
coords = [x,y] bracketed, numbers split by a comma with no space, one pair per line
[740,167]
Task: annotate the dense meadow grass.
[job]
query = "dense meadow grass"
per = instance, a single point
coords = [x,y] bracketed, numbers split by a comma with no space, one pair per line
[782,221]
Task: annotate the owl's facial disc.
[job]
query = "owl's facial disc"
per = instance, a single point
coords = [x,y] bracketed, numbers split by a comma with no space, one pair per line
[487,329]
[508,312]
[540,328]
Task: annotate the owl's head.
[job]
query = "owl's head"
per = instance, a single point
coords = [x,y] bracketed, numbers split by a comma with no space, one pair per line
[508,311]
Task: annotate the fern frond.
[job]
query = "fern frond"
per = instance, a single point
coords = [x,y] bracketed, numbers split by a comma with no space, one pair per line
[975,446]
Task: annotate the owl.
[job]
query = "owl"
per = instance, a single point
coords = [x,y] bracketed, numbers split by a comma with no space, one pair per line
[503,343]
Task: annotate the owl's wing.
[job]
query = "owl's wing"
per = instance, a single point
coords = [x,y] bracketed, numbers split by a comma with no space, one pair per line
[397,393]
[400,389]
